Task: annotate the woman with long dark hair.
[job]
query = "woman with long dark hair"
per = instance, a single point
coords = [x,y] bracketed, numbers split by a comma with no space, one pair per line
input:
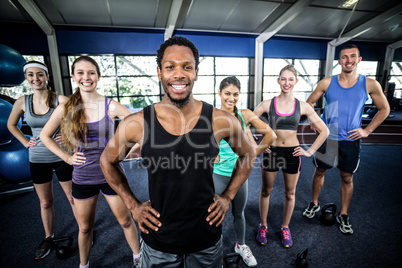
[229,91]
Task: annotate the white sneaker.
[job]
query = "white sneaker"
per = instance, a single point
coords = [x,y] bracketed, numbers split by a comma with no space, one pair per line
[246,254]
[345,226]
[311,209]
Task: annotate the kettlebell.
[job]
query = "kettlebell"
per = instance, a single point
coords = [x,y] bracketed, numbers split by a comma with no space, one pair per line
[328,212]
[64,251]
[301,260]
[232,260]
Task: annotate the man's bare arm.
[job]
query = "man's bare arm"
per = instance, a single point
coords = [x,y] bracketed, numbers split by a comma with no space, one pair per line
[129,131]
[316,95]
[228,127]
[379,100]
[319,91]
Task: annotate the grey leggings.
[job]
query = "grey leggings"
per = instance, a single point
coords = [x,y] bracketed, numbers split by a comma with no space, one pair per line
[238,205]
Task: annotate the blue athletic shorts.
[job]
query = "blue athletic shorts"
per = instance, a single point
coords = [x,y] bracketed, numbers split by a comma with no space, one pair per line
[343,154]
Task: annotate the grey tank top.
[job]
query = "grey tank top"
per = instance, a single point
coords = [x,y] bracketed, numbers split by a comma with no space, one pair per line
[284,121]
[39,153]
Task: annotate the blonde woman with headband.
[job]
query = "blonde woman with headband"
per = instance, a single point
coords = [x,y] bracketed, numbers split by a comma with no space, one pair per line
[285,153]
[38,107]
[87,124]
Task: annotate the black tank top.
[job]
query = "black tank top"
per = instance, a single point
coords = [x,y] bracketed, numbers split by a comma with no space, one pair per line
[180,183]
[284,121]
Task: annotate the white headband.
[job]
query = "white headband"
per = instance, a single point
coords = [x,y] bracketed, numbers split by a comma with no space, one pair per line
[37,65]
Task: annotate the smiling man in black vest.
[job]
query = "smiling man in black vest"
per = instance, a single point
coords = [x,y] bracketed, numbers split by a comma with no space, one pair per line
[179,139]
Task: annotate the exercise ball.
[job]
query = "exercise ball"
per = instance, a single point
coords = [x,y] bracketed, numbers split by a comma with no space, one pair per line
[11,67]
[5,110]
[7,98]
[14,161]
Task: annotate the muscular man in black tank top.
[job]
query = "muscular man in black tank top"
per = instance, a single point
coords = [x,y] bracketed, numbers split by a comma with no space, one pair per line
[179,139]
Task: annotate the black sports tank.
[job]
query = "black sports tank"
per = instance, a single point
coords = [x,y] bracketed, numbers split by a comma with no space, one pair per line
[180,183]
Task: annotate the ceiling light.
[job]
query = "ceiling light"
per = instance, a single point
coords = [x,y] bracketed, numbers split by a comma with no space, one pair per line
[348,3]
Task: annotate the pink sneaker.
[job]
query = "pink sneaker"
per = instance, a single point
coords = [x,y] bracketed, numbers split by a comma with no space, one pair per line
[262,235]
[286,237]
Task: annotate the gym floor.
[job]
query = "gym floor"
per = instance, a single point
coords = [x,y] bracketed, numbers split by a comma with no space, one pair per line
[375,214]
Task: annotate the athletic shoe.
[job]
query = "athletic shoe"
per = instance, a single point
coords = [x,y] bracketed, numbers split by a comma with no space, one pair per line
[246,254]
[262,235]
[343,220]
[137,263]
[286,237]
[310,211]
[85,266]
[44,248]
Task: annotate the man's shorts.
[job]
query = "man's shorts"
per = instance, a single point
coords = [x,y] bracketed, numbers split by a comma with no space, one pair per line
[43,172]
[82,192]
[210,257]
[343,154]
[281,157]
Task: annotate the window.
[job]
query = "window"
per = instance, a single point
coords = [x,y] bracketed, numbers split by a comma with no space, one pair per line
[396,77]
[212,70]
[23,89]
[367,68]
[130,80]
[138,83]
[307,73]
[133,80]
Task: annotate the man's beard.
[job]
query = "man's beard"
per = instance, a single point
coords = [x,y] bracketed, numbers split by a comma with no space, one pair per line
[347,71]
[181,102]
